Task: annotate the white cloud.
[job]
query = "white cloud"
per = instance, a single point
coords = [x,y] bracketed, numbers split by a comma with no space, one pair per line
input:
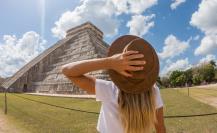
[17,52]
[99,12]
[208,45]
[181,64]
[208,58]
[102,13]
[173,47]
[176,3]
[205,19]
[133,6]
[140,25]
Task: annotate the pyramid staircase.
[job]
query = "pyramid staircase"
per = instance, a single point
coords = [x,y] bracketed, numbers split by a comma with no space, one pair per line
[43,74]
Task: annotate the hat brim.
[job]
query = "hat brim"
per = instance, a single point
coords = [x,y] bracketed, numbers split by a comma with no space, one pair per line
[130,85]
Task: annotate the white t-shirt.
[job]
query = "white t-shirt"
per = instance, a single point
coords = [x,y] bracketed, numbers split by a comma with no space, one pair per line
[109,119]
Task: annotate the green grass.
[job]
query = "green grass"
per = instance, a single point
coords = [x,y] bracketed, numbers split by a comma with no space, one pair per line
[180,104]
[200,91]
[39,118]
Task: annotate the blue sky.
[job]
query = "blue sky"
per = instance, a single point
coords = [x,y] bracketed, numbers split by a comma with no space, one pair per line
[183,32]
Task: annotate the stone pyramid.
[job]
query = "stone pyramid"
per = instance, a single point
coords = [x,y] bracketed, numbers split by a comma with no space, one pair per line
[43,75]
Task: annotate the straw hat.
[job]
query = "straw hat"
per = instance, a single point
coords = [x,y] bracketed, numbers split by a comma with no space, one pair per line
[142,80]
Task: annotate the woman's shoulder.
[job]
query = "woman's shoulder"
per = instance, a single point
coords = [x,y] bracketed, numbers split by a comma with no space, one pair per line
[159,101]
[106,90]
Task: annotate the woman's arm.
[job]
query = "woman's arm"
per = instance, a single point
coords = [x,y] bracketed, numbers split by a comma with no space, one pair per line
[79,68]
[75,72]
[160,127]
[119,62]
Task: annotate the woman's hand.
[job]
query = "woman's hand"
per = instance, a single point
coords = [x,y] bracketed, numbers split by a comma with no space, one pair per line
[122,63]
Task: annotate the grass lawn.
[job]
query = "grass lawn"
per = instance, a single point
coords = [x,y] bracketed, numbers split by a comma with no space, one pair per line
[178,103]
[205,94]
[39,118]
[201,91]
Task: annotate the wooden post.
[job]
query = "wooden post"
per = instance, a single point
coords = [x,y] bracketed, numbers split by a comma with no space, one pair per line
[6,105]
[188,91]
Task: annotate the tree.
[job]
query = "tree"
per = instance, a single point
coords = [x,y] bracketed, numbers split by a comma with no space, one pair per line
[215,78]
[177,78]
[181,80]
[213,63]
[208,72]
[197,79]
[173,77]
[189,75]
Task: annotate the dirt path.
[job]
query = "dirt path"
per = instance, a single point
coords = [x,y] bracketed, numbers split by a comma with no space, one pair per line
[207,99]
[200,86]
[205,86]
[211,100]
[6,126]
[203,97]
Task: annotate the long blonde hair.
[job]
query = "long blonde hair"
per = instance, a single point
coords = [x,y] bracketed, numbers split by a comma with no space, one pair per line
[137,111]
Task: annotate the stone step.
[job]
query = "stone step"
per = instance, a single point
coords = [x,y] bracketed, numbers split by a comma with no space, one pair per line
[72,60]
[51,83]
[76,54]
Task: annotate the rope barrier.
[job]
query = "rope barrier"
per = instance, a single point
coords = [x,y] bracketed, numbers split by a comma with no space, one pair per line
[56,105]
[97,113]
[178,116]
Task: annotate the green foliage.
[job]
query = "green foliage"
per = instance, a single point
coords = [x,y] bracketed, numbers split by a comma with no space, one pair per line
[178,78]
[203,73]
[197,79]
[213,63]
[215,78]
[208,72]
[189,75]
[181,80]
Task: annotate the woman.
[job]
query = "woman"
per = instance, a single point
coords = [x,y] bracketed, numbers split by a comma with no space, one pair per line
[126,106]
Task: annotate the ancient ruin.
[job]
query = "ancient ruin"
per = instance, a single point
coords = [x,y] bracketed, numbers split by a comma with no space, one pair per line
[43,75]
